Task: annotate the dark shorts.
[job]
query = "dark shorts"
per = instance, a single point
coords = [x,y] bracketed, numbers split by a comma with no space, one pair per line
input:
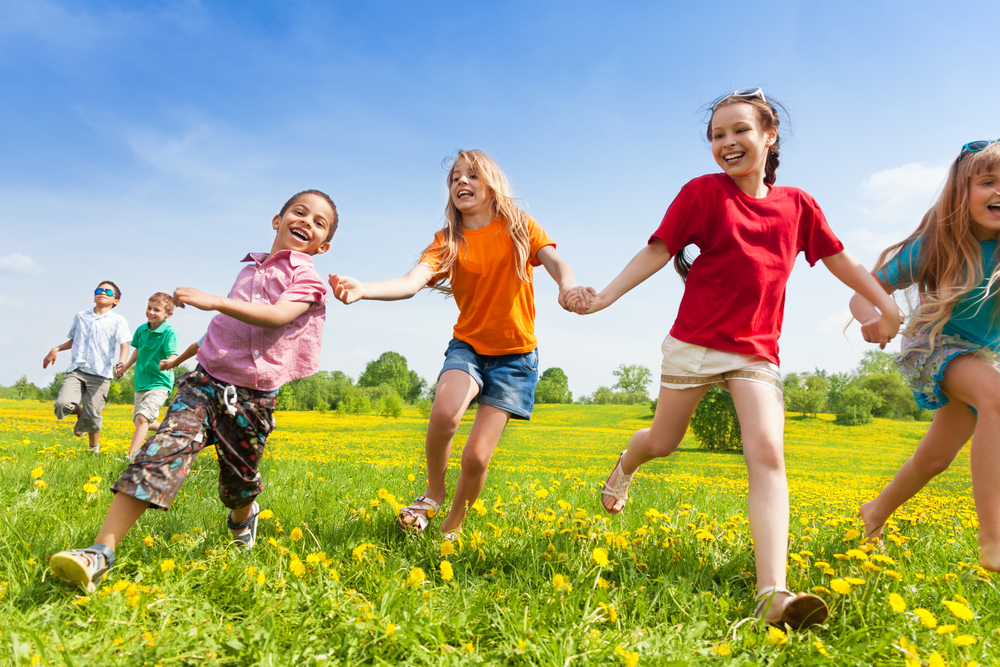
[199,416]
[506,381]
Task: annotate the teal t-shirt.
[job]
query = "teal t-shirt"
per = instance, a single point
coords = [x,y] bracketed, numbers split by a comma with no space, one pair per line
[972,318]
[153,347]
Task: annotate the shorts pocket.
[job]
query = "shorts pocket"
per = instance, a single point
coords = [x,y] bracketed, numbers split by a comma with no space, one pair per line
[530,360]
[686,356]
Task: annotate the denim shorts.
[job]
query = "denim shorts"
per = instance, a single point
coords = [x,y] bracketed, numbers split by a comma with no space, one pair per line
[506,381]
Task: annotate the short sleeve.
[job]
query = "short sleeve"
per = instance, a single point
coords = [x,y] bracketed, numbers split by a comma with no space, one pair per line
[900,270]
[680,224]
[72,329]
[539,239]
[170,345]
[431,256]
[122,334]
[816,239]
[306,285]
[135,338]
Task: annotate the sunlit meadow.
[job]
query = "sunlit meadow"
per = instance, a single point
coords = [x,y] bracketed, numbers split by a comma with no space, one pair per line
[540,575]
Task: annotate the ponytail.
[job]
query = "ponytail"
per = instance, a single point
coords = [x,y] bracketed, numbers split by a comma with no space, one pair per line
[771,166]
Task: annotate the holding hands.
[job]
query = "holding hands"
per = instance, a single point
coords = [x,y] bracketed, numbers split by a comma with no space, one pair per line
[346,289]
[578,300]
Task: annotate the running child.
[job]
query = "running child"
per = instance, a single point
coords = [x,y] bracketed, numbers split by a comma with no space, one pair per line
[484,258]
[268,332]
[950,347]
[749,232]
[153,342]
[93,337]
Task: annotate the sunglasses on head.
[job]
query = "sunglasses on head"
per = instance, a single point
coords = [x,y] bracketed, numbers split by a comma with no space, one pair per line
[106,291]
[976,146]
[742,93]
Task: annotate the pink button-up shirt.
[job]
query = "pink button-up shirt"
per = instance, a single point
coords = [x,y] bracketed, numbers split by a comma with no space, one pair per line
[265,359]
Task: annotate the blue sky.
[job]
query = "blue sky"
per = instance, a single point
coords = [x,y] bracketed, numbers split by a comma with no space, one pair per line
[151,143]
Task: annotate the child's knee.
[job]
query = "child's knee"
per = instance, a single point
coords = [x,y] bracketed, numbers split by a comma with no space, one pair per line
[932,465]
[64,408]
[475,463]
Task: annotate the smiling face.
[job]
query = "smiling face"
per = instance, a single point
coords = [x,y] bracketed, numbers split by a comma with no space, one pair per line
[739,144]
[468,193]
[156,313]
[304,227]
[984,204]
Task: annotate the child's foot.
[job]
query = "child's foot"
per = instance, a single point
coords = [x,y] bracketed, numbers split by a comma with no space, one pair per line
[83,567]
[245,532]
[782,607]
[873,527]
[616,489]
[415,516]
[989,557]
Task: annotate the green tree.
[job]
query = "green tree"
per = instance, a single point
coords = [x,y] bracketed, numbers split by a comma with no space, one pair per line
[805,392]
[390,368]
[22,386]
[877,361]
[553,387]
[896,398]
[633,379]
[715,424]
[857,405]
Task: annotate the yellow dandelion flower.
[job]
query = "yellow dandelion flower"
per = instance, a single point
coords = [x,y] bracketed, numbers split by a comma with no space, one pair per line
[602,583]
[946,629]
[926,617]
[631,659]
[260,578]
[600,556]
[851,535]
[479,507]
[95,479]
[857,554]
[892,573]
[40,484]
[840,586]
[296,534]
[265,514]
[447,548]
[468,648]
[541,493]
[167,565]
[963,640]
[447,572]
[935,660]
[81,600]
[251,571]
[148,636]
[854,581]
[558,582]
[411,477]
[959,610]
[776,636]
[37,472]
[297,568]
[820,589]
[90,488]
[897,602]
[314,558]
[148,540]
[390,628]
[416,576]
[822,649]
[723,649]
[119,586]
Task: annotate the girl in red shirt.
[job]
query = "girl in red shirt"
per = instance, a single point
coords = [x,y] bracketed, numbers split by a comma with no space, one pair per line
[749,232]
[483,257]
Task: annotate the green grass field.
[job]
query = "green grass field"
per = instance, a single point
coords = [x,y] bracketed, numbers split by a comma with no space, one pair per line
[333,581]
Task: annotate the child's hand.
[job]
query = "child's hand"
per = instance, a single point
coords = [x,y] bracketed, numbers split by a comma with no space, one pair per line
[596,303]
[119,371]
[189,296]
[168,364]
[346,289]
[50,358]
[880,330]
[577,299]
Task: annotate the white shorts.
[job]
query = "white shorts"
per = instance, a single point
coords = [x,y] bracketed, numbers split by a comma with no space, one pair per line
[686,365]
[147,403]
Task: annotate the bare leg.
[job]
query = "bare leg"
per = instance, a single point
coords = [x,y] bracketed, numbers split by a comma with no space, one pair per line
[141,428]
[674,408]
[762,421]
[483,439]
[455,391]
[95,441]
[952,427]
[977,383]
[240,515]
[122,515]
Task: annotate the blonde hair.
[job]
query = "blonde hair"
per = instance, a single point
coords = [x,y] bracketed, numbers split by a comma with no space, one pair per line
[164,300]
[453,244]
[950,261]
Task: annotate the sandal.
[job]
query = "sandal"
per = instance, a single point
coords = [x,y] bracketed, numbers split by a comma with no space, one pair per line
[249,538]
[800,612]
[418,522]
[83,567]
[618,490]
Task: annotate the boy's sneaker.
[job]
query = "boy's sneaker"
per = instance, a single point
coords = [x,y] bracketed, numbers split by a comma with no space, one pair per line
[83,567]
[249,538]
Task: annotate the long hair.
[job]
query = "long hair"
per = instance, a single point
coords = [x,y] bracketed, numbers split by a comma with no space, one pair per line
[950,261]
[767,119]
[504,207]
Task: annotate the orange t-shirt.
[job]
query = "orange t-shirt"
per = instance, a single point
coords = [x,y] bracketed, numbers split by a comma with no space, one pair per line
[496,310]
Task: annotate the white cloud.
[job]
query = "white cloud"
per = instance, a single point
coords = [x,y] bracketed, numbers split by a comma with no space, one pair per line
[900,196]
[19,264]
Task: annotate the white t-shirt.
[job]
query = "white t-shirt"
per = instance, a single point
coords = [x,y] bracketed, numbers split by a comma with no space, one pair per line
[95,340]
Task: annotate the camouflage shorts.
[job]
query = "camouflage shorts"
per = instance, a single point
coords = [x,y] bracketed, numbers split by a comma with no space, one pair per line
[199,416]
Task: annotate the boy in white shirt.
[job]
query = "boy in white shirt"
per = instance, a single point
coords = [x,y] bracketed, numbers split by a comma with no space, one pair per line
[93,337]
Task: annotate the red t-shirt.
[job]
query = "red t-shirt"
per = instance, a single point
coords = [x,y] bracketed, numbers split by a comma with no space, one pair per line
[734,299]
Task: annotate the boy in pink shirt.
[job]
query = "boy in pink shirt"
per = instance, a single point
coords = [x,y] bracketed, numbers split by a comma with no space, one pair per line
[268,332]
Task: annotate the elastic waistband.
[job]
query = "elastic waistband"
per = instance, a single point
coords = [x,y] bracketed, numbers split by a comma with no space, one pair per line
[266,399]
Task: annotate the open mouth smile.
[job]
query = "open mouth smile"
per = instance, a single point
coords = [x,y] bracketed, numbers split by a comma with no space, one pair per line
[732,158]
[299,235]
[464,194]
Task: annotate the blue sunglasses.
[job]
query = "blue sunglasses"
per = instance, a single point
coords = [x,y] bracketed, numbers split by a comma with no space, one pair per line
[976,146]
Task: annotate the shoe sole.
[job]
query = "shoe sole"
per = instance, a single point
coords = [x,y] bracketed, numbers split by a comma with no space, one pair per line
[71,571]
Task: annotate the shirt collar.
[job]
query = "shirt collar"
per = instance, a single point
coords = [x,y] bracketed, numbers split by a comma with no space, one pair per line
[295,258]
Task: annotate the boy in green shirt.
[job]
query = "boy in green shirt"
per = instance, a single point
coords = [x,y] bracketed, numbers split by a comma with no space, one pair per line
[152,343]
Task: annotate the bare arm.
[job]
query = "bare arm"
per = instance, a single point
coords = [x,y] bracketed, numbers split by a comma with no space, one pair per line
[878,326]
[349,290]
[646,262]
[570,298]
[173,361]
[121,370]
[266,315]
[50,358]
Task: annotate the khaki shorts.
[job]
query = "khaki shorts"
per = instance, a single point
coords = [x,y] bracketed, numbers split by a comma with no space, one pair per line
[147,403]
[686,365]
[87,392]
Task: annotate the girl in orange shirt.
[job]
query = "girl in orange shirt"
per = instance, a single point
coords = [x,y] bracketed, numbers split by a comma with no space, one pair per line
[484,258]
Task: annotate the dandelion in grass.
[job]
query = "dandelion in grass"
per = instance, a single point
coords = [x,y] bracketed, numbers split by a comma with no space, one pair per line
[926,617]
[411,477]
[265,514]
[723,649]
[840,586]
[559,582]
[41,485]
[296,534]
[390,628]
[167,565]
[416,577]
[148,636]
[541,493]
[89,488]
[83,599]
[959,610]
[447,572]
[297,568]
[610,613]
[260,578]
[851,535]
[897,602]
[935,660]
[857,554]
[468,648]
[854,581]
[631,659]
[946,629]
[479,507]
[822,649]
[602,583]
[776,636]
[37,472]
[600,556]
[94,479]
[963,640]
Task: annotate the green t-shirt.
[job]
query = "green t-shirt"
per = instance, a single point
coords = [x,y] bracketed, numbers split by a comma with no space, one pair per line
[153,347]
